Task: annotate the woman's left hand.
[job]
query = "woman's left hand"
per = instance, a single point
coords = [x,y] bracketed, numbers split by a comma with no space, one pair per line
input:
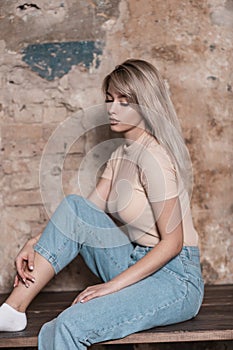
[95,291]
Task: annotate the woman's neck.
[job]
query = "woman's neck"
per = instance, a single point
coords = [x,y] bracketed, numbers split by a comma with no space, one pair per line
[134,133]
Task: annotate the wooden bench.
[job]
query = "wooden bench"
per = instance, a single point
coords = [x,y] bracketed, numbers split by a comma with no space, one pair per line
[214,321]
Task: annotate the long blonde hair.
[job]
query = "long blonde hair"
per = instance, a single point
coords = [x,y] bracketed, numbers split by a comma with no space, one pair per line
[143,86]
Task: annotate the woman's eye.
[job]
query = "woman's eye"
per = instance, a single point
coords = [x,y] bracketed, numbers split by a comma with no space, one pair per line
[124,104]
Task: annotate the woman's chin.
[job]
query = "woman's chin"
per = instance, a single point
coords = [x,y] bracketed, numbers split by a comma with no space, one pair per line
[116,127]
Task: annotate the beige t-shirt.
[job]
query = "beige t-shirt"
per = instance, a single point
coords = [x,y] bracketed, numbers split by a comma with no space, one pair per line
[141,173]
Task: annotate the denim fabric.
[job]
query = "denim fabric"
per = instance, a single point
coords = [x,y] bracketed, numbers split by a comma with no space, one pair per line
[172,294]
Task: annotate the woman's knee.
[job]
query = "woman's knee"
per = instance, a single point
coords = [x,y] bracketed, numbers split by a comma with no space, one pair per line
[76,202]
[69,206]
[73,198]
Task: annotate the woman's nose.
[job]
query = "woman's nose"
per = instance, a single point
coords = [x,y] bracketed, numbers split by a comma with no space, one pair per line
[112,107]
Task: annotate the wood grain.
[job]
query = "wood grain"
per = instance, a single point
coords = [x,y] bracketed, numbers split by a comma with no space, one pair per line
[214,321]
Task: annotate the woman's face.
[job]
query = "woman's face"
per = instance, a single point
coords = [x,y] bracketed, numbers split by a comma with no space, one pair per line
[122,117]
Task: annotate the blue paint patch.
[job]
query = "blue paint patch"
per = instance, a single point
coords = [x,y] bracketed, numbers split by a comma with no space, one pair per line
[53,60]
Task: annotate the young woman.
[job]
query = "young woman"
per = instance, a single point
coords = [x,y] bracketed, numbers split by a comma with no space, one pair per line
[135,230]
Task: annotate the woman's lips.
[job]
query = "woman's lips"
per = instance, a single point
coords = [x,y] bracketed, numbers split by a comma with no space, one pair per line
[113,121]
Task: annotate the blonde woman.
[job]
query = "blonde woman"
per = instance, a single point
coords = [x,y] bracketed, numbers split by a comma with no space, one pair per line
[134,231]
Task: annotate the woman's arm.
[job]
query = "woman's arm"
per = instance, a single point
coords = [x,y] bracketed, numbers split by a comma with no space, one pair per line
[170,227]
[169,222]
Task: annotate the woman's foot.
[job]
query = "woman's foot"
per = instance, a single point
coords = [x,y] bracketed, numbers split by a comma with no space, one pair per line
[11,320]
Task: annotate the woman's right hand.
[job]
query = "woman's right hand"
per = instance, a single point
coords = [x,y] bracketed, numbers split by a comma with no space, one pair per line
[25,263]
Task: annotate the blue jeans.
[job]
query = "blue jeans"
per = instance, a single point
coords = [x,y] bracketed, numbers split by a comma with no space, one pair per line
[172,294]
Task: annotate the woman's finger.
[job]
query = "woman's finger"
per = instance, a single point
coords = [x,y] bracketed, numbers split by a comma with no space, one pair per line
[24,276]
[89,297]
[31,258]
[16,281]
[82,296]
[19,267]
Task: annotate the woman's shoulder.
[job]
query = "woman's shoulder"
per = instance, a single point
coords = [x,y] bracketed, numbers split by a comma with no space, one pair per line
[153,151]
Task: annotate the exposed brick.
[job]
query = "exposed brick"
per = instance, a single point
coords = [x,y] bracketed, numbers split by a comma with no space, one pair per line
[57,142]
[21,198]
[53,114]
[28,213]
[24,181]
[23,96]
[72,161]
[70,182]
[23,149]
[21,132]
[7,166]
[29,114]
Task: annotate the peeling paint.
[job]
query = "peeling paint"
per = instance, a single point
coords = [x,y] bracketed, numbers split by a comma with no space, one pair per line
[53,60]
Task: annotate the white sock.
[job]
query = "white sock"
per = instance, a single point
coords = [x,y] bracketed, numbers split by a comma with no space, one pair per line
[11,320]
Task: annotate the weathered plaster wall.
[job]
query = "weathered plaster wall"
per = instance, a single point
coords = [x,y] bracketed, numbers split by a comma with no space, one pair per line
[189,41]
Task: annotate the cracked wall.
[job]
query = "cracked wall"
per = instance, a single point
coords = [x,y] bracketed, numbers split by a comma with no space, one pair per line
[189,41]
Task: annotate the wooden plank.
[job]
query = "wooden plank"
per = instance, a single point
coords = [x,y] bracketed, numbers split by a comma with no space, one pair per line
[137,338]
[214,321]
[150,338]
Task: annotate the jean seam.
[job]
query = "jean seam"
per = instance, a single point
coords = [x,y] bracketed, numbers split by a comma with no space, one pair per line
[190,262]
[48,256]
[112,258]
[199,278]
[138,317]
[194,266]
[173,273]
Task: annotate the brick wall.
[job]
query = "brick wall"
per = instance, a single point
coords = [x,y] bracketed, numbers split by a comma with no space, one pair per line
[54,55]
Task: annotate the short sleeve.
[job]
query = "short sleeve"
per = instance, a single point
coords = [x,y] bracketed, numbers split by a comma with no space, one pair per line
[108,170]
[158,174]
